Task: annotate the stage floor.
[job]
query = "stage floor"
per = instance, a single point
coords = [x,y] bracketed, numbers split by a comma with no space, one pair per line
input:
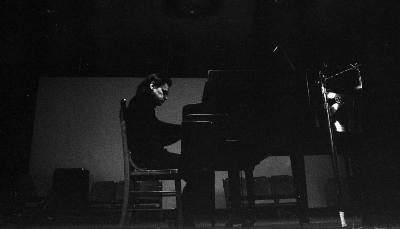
[107,218]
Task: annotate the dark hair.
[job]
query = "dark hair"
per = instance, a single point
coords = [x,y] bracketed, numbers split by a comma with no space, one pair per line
[144,87]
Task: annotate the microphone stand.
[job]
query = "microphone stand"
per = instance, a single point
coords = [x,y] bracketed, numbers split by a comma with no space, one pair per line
[334,155]
[352,66]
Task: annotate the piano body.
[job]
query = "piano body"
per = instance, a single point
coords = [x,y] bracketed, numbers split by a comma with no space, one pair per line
[246,116]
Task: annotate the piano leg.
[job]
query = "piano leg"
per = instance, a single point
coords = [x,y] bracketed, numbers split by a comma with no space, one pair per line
[298,169]
[234,187]
[212,198]
[236,211]
[250,194]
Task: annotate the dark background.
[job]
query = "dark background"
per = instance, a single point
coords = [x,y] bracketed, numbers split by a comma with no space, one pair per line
[185,38]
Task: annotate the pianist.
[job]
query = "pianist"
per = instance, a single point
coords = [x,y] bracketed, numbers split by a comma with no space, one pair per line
[147,137]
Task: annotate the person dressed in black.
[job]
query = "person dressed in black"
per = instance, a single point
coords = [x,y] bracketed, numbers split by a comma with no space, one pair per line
[147,137]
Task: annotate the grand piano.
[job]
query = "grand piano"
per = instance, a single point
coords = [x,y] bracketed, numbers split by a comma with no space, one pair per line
[246,116]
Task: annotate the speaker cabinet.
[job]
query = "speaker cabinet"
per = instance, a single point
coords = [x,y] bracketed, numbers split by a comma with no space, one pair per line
[70,187]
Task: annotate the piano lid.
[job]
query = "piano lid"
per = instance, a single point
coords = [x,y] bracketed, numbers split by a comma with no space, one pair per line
[255,101]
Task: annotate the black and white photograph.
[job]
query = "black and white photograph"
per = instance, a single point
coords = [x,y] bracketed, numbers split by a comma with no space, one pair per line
[161,114]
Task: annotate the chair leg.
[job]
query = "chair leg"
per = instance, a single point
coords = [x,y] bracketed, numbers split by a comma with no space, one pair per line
[125,203]
[277,209]
[178,190]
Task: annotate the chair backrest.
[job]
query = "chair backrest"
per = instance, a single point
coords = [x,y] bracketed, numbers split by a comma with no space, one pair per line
[127,154]
[125,150]
[122,120]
